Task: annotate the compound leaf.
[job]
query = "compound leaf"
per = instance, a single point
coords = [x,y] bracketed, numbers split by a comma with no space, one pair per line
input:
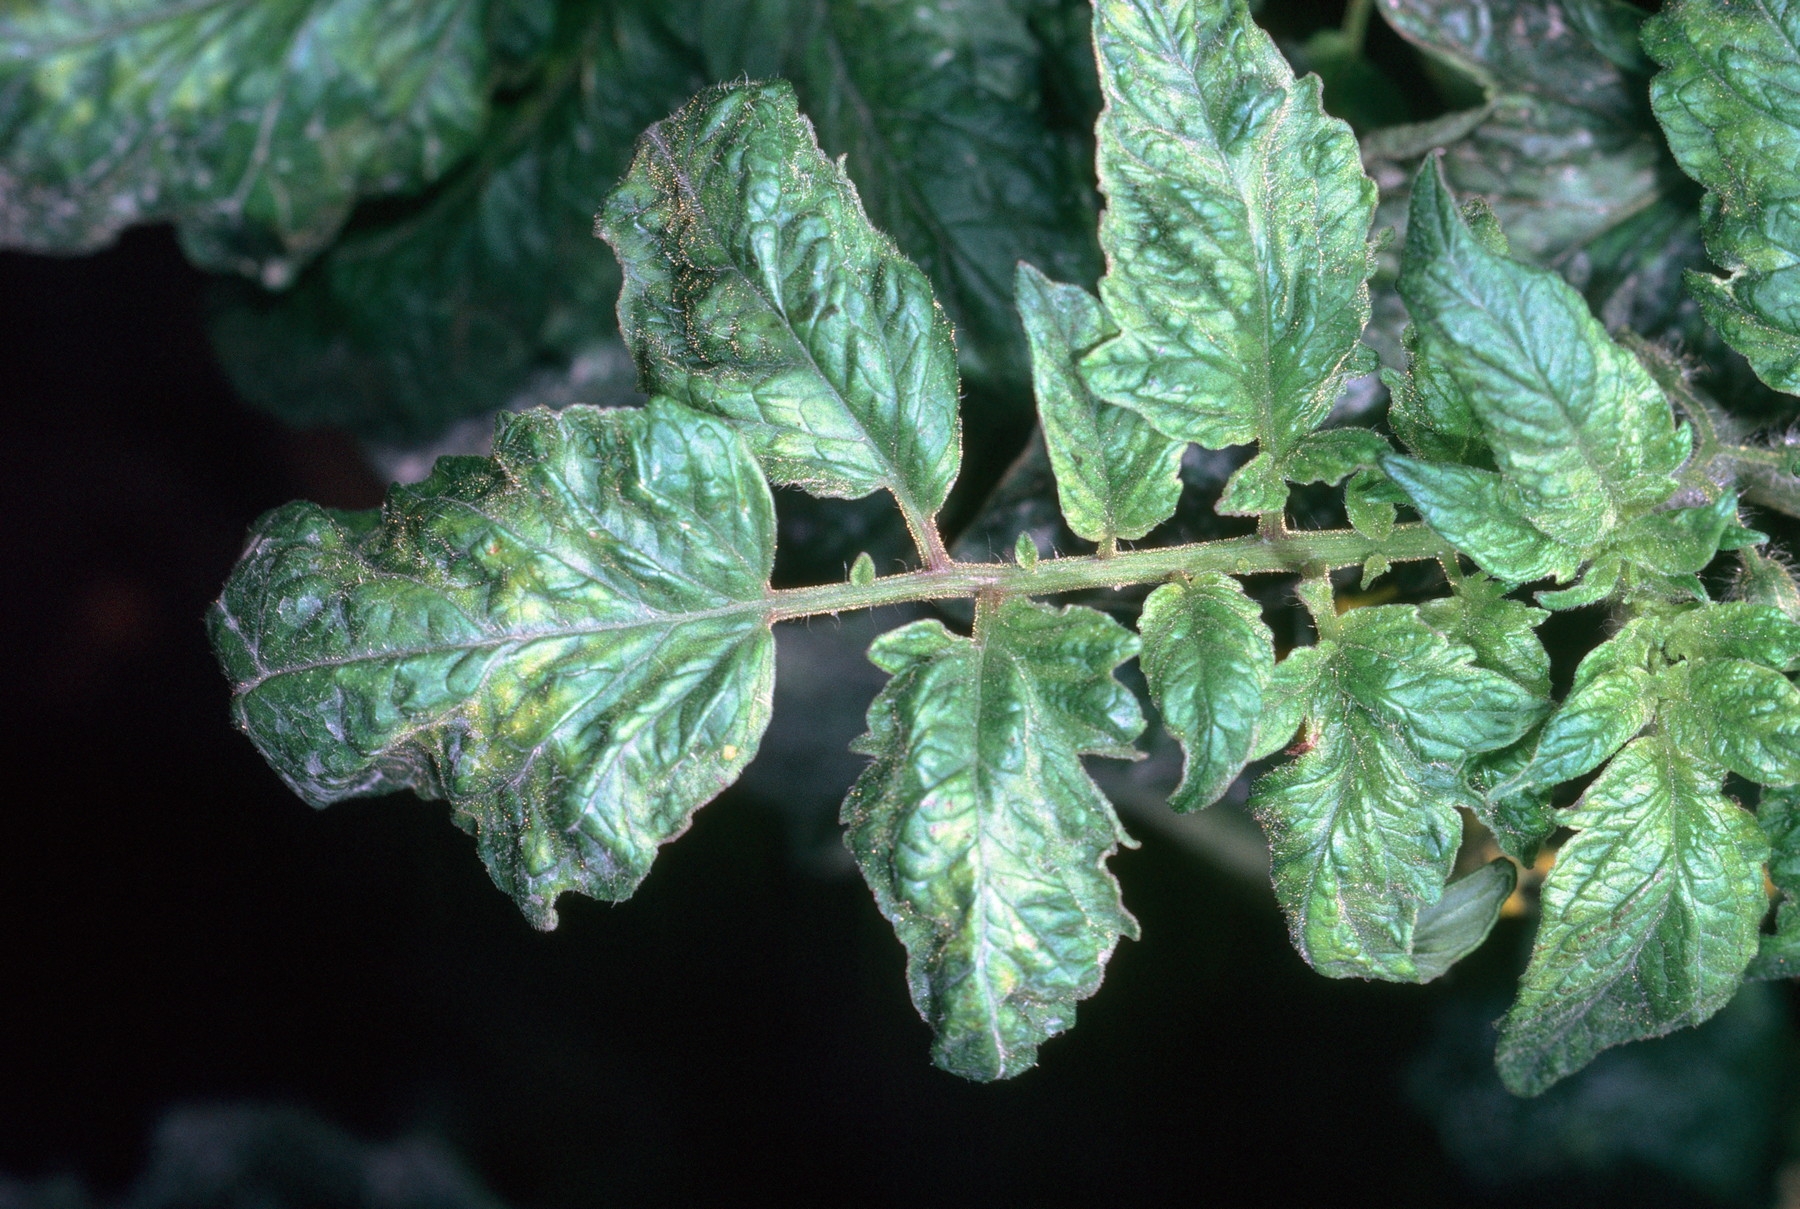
[1363,827]
[756,290]
[1650,915]
[980,833]
[1575,422]
[1116,476]
[253,126]
[1235,229]
[568,641]
[1207,657]
[1729,101]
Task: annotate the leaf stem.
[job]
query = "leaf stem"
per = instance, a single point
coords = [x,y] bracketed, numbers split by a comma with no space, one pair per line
[1304,550]
[1356,23]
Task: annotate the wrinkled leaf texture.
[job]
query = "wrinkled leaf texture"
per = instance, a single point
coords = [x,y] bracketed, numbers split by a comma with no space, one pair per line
[567,641]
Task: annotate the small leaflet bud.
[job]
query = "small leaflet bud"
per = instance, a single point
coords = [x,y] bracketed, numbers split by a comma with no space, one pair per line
[1764,580]
[1025,551]
[862,571]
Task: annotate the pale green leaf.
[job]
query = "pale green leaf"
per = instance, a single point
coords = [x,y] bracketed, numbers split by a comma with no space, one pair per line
[1610,701]
[1502,632]
[1729,101]
[1650,915]
[1207,657]
[1235,229]
[568,641]
[253,126]
[756,290]
[1766,580]
[981,834]
[1575,422]
[1289,698]
[1763,632]
[1116,476]
[1455,925]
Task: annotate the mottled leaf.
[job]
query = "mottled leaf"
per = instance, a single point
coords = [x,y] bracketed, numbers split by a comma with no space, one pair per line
[568,641]
[1729,101]
[253,126]
[1738,713]
[756,290]
[1207,657]
[1116,476]
[1363,827]
[981,834]
[1649,916]
[1235,229]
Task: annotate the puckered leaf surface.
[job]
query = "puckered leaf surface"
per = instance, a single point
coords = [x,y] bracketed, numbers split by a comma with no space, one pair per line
[1650,915]
[1236,227]
[1116,476]
[1363,828]
[981,834]
[567,641]
[1778,954]
[1207,657]
[1729,101]
[254,126]
[756,290]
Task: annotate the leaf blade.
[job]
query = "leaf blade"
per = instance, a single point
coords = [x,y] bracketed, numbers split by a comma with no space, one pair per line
[568,642]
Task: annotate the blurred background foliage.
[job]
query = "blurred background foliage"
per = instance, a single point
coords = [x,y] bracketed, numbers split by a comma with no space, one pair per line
[220,998]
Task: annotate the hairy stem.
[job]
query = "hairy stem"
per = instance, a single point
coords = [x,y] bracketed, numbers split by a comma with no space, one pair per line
[1291,552]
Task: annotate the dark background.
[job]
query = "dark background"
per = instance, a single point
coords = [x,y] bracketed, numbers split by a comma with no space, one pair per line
[180,935]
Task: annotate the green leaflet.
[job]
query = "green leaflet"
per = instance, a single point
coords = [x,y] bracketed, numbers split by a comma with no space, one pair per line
[1765,580]
[1728,102]
[1778,815]
[568,641]
[1207,657]
[1742,715]
[756,290]
[1116,476]
[1582,436]
[1456,924]
[1363,827]
[1650,916]
[1235,231]
[404,327]
[980,833]
[253,125]
[412,323]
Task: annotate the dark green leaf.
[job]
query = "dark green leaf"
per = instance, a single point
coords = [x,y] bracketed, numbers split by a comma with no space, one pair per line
[1650,916]
[253,126]
[980,833]
[568,641]
[406,326]
[1207,657]
[1116,476]
[1235,230]
[756,290]
[1729,101]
